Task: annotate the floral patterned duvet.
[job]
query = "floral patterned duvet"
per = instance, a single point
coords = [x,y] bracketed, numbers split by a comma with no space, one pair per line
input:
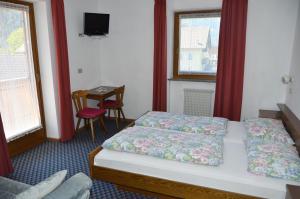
[186,123]
[170,145]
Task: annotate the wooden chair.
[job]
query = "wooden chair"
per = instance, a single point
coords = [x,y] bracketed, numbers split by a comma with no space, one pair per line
[115,105]
[86,113]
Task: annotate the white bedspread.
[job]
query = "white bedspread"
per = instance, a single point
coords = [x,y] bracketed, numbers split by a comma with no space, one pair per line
[231,176]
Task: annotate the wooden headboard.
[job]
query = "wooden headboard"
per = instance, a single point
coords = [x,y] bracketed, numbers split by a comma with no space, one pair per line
[292,124]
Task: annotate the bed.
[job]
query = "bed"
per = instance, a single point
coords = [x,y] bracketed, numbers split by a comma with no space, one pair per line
[172,179]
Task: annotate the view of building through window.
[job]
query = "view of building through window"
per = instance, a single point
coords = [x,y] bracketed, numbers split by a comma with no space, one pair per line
[18,93]
[199,40]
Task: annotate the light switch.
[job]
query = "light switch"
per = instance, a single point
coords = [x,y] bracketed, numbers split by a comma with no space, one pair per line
[80,70]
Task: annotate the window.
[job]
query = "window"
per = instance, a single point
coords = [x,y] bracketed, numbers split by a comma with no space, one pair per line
[20,91]
[196,40]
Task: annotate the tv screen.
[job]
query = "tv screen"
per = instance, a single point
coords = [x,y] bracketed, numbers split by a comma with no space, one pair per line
[96,24]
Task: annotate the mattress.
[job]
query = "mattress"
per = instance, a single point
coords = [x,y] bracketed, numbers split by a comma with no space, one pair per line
[231,176]
[236,132]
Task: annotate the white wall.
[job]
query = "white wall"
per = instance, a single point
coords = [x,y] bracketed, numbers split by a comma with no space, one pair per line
[127,53]
[47,66]
[293,94]
[270,30]
[83,51]
[270,33]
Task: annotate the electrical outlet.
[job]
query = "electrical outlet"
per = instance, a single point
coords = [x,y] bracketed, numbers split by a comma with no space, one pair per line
[79,70]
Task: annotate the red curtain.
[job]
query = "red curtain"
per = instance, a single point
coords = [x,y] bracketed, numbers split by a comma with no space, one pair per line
[5,163]
[63,74]
[160,57]
[231,58]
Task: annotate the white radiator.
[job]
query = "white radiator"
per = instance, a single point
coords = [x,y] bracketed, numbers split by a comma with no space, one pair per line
[198,102]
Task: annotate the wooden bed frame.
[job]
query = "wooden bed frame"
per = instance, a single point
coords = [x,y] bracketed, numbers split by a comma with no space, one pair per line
[162,188]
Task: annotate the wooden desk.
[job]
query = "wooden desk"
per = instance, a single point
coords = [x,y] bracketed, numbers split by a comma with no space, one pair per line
[100,93]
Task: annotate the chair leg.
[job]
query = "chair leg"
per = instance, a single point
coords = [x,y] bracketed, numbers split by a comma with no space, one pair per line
[78,124]
[102,124]
[109,113]
[119,114]
[86,123]
[116,116]
[122,113]
[92,129]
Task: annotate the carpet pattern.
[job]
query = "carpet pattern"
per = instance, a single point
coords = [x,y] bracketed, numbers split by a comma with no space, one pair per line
[39,163]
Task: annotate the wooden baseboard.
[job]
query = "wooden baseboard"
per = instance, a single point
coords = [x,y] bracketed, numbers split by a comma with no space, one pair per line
[111,118]
[146,193]
[26,142]
[53,139]
[126,120]
[84,127]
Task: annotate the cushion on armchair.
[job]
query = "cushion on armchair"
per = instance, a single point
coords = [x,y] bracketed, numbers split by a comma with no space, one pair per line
[75,187]
[9,189]
[43,188]
[84,195]
[11,186]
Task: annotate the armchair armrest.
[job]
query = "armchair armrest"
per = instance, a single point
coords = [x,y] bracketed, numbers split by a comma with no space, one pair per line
[72,188]
[12,186]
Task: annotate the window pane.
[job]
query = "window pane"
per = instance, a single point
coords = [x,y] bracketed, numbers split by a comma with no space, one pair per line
[18,94]
[199,40]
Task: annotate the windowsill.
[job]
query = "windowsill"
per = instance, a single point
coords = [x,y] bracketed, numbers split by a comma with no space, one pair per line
[191,80]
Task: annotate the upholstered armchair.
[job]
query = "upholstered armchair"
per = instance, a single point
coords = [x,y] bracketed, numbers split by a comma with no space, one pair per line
[76,187]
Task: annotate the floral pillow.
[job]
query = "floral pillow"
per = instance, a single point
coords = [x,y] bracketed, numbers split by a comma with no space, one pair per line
[270,135]
[269,130]
[274,165]
[269,148]
[265,122]
[185,123]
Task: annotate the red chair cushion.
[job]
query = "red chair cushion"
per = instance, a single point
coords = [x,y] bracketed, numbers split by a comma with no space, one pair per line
[90,113]
[109,103]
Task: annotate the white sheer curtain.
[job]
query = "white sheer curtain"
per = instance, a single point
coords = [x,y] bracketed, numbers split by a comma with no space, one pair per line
[18,94]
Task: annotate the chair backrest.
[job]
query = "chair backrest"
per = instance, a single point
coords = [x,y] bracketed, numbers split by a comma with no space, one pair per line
[79,99]
[120,95]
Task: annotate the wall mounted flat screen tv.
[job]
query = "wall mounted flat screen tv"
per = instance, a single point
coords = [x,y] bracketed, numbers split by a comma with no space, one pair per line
[96,24]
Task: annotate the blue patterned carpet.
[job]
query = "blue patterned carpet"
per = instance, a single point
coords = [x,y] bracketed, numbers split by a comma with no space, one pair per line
[39,163]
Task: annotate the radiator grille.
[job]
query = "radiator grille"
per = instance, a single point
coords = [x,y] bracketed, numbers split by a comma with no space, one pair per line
[198,102]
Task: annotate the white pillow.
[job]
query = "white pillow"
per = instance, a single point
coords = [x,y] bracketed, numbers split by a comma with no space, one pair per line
[43,188]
